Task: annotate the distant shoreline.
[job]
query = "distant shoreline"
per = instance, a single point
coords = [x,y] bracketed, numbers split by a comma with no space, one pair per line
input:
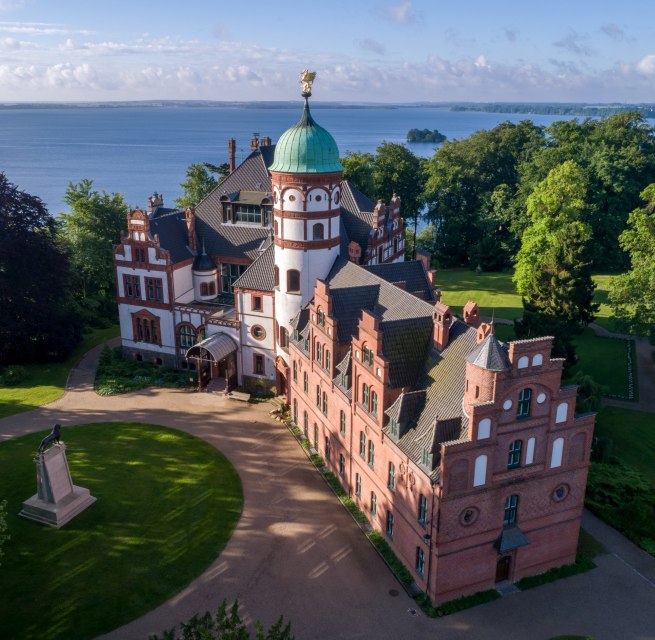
[593,110]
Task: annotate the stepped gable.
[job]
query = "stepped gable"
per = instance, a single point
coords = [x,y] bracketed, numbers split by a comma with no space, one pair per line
[259,275]
[434,413]
[405,321]
[490,354]
[357,214]
[412,273]
[170,226]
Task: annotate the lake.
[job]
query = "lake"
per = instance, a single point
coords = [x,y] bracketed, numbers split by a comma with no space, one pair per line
[138,150]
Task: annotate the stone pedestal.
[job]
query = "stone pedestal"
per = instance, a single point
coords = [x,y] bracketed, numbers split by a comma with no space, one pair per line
[57,500]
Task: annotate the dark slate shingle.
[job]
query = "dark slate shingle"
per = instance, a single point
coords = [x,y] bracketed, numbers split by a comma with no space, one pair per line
[259,275]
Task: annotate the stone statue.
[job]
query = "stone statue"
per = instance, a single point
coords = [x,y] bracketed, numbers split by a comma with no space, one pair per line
[53,436]
[306,79]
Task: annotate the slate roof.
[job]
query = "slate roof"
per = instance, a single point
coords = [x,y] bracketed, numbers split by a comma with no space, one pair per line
[356,214]
[405,321]
[170,225]
[490,354]
[432,412]
[412,273]
[344,368]
[259,275]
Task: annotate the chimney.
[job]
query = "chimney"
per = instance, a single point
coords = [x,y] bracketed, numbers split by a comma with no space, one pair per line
[154,201]
[232,152]
[472,314]
[265,142]
[483,331]
[254,142]
[442,318]
[191,228]
[425,257]
[381,211]
[432,277]
[354,252]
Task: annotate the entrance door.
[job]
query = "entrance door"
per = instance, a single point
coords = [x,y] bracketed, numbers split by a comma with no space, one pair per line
[502,568]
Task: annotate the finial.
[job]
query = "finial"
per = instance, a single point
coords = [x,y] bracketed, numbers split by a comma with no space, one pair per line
[306,79]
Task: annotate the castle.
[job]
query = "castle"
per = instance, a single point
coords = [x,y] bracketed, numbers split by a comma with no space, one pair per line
[463,451]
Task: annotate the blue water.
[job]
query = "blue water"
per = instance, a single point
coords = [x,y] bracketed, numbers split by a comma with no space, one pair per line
[138,150]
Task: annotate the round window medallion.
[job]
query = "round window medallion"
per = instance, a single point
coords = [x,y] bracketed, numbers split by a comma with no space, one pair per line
[541,398]
[507,405]
[560,492]
[318,198]
[292,198]
[258,332]
[469,516]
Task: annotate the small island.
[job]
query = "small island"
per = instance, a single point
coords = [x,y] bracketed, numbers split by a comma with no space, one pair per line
[425,135]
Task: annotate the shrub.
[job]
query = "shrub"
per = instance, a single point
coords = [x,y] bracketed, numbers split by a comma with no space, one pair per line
[399,569]
[580,565]
[14,374]
[453,606]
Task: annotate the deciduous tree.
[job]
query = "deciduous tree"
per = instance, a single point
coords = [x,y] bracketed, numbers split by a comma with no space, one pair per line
[358,170]
[197,186]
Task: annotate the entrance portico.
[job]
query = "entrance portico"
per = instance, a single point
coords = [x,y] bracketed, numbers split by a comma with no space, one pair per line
[216,360]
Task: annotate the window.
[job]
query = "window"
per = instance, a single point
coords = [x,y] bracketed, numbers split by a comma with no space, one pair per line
[293,281]
[342,423]
[146,328]
[358,485]
[327,449]
[212,288]
[525,399]
[511,506]
[367,356]
[422,510]
[391,483]
[319,352]
[132,287]
[390,524]
[362,445]
[305,424]
[295,371]
[256,303]
[276,275]
[425,457]
[484,429]
[284,338]
[317,231]
[393,427]
[374,403]
[249,213]
[316,436]
[186,336]
[371,454]
[229,273]
[305,345]
[318,396]
[374,504]
[365,395]
[327,361]
[420,561]
[529,453]
[295,411]
[480,472]
[342,465]
[305,382]
[320,317]
[204,290]
[259,364]
[325,403]
[562,413]
[514,460]
[556,455]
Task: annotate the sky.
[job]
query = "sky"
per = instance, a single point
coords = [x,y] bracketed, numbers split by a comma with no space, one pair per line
[362,50]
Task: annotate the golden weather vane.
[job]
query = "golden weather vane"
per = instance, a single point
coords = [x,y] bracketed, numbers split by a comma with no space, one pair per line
[306,79]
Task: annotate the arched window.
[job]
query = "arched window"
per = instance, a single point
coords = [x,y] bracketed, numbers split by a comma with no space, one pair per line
[318,396]
[203,289]
[524,361]
[293,280]
[525,399]
[211,289]
[374,403]
[295,411]
[186,336]
[562,412]
[480,473]
[537,360]
[320,317]
[511,507]
[319,352]
[365,395]
[325,403]
[556,455]
[342,423]
[276,275]
[327,360]
[529,452]
[305,382]
[295,371]
[318,231]
[514,459]
[484,429]
[305,424]
[392,476]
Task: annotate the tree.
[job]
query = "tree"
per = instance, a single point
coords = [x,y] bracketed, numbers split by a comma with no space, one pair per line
[37,319]
[198,184]
[221,170]
[358,170]
[93,224]
[632,294]
[553,271]
[397,170]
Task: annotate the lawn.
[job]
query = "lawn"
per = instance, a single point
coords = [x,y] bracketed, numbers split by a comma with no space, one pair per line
[167,503]
[633,437]
[46,382]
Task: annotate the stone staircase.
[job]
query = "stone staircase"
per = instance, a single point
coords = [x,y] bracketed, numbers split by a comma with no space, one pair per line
[216,385]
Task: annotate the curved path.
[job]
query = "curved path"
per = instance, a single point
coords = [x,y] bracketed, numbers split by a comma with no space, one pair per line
[297,552]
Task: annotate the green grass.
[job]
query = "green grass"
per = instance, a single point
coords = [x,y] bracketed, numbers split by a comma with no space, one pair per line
[46,382]
[633,437]
[167,503]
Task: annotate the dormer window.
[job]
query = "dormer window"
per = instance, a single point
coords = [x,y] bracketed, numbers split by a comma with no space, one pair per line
[425,458]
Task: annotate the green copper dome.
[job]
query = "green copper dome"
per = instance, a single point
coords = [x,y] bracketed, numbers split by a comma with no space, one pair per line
[306,148]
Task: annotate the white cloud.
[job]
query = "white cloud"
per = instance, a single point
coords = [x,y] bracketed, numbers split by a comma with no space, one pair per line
[368,44]
[646,65]
[40,29]
[401,13]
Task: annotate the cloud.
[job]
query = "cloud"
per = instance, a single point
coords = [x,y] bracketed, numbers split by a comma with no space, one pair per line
[371,45]
[401,13]
[511,34]
[614,31]
[40,29]
[646,65]
[573,42]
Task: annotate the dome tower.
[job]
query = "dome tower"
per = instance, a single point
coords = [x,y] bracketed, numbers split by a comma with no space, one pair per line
[306,177]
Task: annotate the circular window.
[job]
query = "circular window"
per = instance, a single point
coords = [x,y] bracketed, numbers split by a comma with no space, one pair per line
[560,492]
[258,332]
[469,516]
[541,398]
[337,195]
[318,198]
[507,405]
[292,198]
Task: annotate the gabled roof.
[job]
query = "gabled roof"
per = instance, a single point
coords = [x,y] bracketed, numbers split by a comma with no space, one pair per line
[170,226]
[357,214]
[490,354]
[232,240]
[259,275]
[412,273]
